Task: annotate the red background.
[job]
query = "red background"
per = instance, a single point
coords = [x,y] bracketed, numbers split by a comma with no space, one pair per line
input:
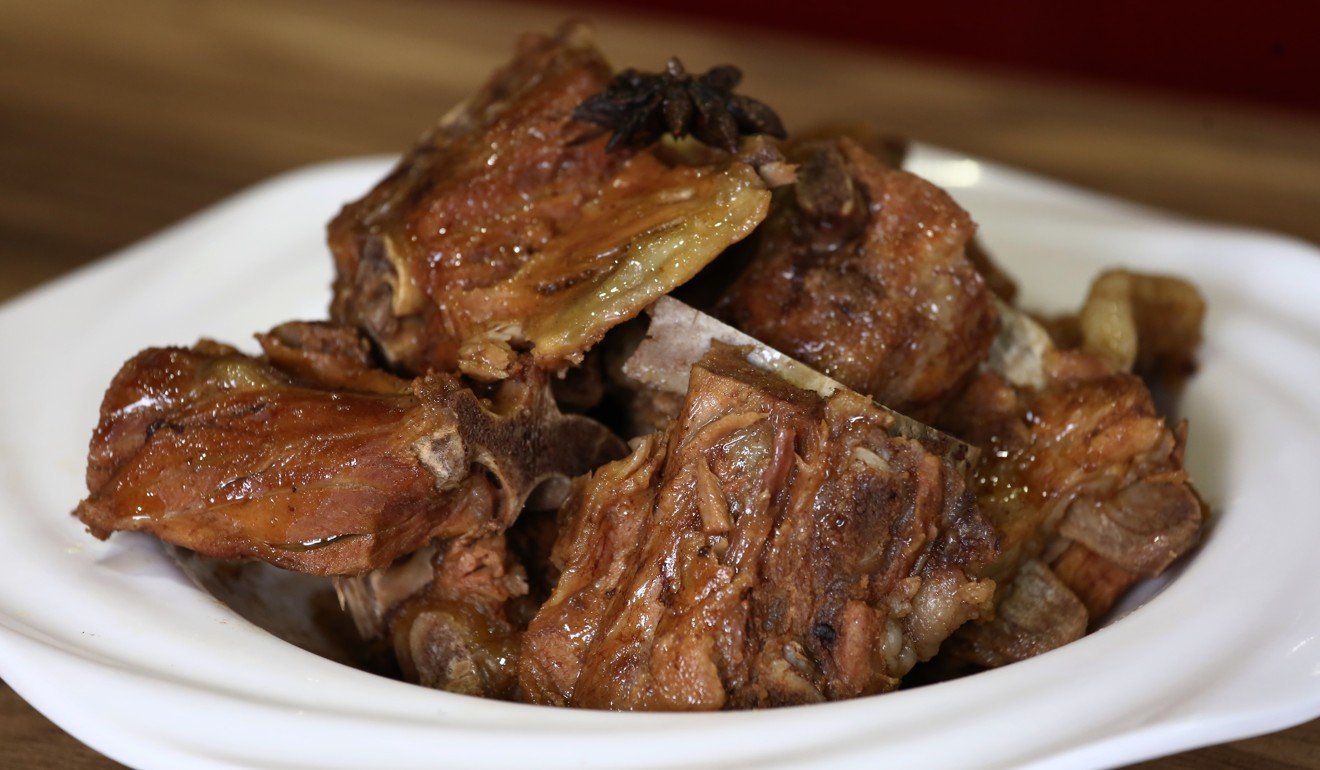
[1261,52]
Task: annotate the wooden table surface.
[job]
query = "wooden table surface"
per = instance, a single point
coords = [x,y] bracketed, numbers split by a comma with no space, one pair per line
[116,120]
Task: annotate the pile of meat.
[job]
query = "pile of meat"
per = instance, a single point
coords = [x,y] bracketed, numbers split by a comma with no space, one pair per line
[660,425]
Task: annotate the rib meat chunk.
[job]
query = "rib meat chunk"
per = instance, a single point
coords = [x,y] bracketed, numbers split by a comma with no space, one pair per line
[509,228]
[861,272]
[320,464]
[1077,470]
[774,546]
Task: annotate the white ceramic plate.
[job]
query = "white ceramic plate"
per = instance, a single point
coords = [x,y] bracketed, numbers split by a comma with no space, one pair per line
[112,642]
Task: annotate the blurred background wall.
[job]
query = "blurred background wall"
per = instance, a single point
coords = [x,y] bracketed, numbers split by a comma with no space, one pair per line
[118,119]
[1259,52]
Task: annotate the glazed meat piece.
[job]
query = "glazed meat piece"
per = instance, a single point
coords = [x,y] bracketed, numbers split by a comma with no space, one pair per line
[1078,470]
[861,273]
[321,464]
[509,228]
[775,546]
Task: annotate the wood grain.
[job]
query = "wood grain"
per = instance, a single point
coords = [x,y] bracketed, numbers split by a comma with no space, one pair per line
[116,120]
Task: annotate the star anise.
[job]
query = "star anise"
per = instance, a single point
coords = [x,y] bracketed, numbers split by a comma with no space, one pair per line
[641,107]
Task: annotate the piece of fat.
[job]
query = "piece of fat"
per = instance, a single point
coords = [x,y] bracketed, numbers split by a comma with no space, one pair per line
[679,335]
[1018,351]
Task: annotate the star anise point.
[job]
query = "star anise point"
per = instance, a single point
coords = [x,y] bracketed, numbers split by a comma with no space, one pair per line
[640,108]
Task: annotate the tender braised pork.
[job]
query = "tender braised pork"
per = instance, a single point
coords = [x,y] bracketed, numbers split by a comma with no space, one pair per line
[312,461]
[1077,470]
[510,228]
[775,546]
[861,272]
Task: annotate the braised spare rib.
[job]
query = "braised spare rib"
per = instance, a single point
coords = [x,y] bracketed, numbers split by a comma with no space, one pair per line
[774,546]
[314,461]
[1083,480]
[510,228]
[861,272]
